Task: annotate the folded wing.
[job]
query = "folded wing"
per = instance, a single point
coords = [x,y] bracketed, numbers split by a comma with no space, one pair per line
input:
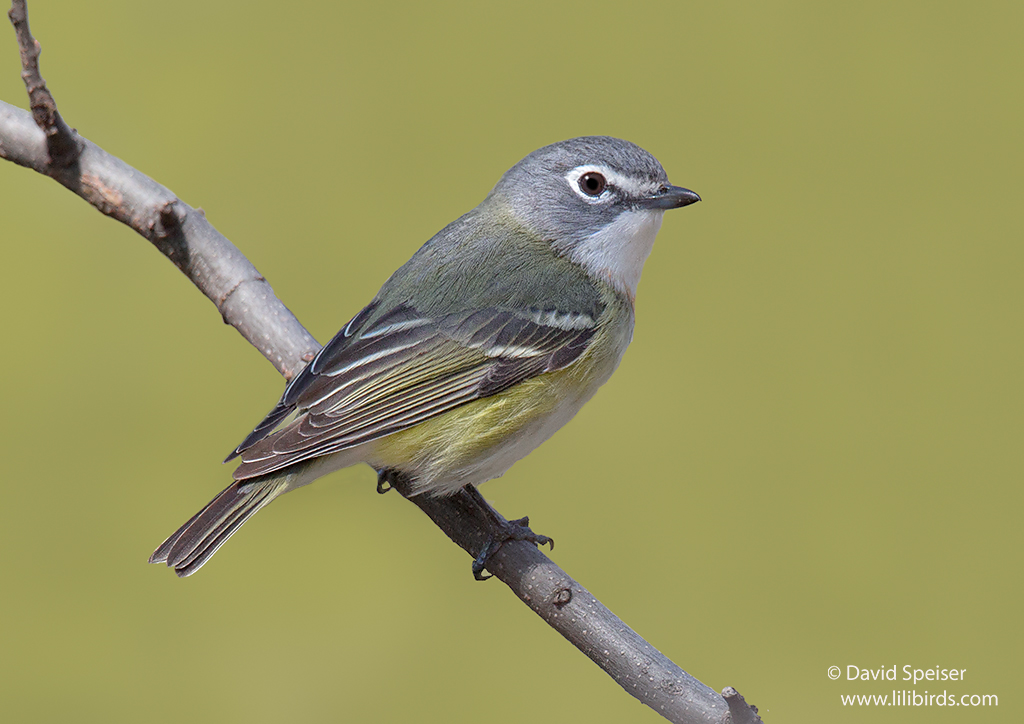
[382,376]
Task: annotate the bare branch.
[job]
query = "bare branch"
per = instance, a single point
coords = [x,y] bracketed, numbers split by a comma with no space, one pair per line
[247,302]
[61,141]
[741,711]
[575,613]
[180,232]
[243,297]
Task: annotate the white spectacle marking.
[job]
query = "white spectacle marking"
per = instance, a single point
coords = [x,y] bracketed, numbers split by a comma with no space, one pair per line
[618,251]
[628,185]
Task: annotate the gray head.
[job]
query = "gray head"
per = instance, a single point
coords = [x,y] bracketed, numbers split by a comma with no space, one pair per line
[597,200]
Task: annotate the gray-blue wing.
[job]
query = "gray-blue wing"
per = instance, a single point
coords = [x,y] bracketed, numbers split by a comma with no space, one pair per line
[377,378]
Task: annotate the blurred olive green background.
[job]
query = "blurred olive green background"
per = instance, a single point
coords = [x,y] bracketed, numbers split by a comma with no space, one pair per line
[810,456]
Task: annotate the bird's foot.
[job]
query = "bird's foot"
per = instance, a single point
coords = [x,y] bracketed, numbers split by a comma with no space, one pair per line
[384,481]
[504,532]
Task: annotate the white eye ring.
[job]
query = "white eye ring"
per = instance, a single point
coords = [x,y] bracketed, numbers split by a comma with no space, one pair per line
[591,183]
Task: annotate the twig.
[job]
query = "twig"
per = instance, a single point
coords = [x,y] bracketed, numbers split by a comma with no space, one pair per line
[247,302]
[61,141]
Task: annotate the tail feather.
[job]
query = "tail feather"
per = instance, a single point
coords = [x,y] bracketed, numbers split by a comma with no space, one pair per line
[193,543]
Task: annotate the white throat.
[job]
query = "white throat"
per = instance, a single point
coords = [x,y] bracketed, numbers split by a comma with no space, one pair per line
[617,252]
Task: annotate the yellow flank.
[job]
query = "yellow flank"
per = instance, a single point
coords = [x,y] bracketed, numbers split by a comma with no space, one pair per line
[457,438]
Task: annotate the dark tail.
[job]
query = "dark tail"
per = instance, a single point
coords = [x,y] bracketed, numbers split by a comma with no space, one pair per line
[192,545]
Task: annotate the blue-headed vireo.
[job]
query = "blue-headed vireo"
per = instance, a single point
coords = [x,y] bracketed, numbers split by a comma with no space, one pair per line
[490,338]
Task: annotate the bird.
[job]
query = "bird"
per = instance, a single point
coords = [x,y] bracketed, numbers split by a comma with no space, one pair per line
[474,352]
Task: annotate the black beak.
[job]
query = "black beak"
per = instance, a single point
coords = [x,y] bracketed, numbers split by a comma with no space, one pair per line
[670,197]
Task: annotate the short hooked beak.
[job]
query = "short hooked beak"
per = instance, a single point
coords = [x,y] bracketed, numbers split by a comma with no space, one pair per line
[670,197]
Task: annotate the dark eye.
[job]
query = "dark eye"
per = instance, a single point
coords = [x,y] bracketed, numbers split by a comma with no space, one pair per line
[592,183]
